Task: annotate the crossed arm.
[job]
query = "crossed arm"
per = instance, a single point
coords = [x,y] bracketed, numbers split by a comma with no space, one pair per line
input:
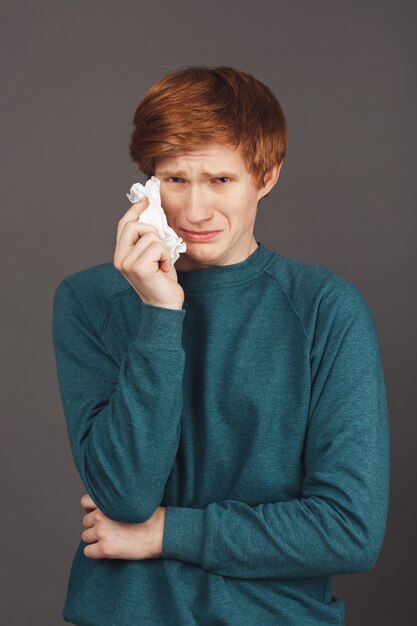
[335,527]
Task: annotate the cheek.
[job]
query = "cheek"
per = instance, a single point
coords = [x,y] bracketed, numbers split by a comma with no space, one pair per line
[169,204]
[172,208]
[245,207]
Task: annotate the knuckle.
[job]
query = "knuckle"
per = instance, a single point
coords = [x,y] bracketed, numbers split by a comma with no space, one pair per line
[106,548]
[100,533]
[124,266]
[145,227]
[130,225]
[146,233]
[153,238]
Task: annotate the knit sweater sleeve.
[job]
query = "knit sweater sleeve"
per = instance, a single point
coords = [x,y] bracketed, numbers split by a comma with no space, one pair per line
[337,524]
[123,419]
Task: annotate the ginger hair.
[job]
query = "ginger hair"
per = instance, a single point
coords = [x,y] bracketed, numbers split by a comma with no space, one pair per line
[189,107]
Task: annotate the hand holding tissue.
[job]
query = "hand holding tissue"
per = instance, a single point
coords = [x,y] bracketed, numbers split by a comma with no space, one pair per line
[155,216]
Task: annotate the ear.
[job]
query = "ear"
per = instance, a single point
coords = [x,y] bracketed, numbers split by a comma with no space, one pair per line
[270,180]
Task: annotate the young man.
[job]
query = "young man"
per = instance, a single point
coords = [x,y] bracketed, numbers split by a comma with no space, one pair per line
[227,415]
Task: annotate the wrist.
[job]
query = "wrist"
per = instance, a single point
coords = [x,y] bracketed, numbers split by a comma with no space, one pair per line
[159,531]
[172,305]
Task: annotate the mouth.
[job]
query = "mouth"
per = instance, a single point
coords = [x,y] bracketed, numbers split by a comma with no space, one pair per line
[204,235]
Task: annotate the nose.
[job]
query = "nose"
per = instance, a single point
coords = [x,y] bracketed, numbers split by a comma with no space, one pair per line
[197,207]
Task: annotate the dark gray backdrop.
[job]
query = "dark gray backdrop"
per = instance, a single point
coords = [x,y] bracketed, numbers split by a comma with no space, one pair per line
[74,71]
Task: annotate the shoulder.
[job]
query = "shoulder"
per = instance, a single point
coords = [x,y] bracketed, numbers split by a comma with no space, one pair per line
[314,292]
[90,290]
[100,281]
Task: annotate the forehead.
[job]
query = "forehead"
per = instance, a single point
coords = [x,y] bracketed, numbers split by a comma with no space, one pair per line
[206,156]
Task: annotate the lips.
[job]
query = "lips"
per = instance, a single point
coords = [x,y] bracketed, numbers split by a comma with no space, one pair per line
[200,235]
[201,232]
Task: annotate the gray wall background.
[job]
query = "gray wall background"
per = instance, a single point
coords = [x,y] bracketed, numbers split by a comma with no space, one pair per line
[73,73]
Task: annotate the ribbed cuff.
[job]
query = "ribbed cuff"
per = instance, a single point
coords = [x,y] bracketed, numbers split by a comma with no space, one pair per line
[183,534]
[161,327]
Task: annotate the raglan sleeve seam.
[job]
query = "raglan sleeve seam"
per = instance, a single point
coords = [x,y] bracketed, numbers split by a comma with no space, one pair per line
[294,310]
[100,327]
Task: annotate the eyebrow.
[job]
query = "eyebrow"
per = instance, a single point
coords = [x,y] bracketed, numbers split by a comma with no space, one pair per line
[182,174]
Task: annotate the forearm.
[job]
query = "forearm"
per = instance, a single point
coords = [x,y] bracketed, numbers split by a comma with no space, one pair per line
[337,524]
[306,537]
[127,456]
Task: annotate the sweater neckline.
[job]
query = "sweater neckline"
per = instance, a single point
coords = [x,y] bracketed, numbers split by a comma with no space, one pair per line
[223,274]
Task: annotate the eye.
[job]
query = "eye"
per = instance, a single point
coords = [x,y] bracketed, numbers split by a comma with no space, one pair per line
[223,179]
[174,179]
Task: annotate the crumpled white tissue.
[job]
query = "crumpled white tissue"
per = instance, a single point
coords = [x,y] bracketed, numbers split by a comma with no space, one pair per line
[154,215]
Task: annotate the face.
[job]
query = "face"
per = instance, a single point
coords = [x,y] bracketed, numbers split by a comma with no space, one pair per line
[210,190]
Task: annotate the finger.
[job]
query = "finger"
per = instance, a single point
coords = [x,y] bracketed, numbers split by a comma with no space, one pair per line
[87,502]
[89,535]
[131,215]
[131,236]
[89,519]
[93,550]
[150,256]
[133,251]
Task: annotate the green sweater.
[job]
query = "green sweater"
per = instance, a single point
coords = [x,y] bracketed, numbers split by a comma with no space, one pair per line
[257,415]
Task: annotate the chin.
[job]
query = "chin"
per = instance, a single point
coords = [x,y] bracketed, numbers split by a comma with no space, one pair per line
[200,254]
[205,252]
